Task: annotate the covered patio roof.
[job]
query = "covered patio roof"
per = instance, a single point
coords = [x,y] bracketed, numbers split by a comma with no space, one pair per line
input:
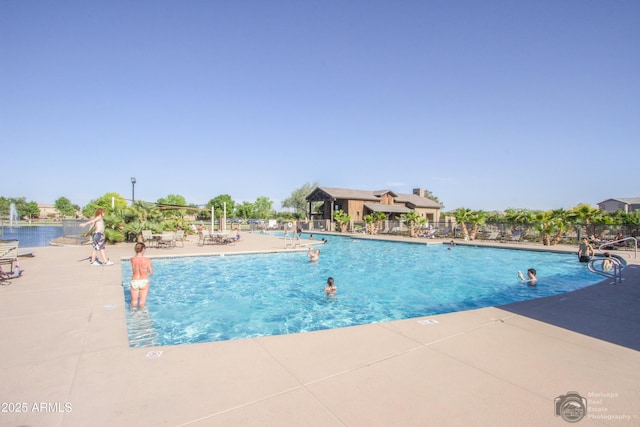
[379,207]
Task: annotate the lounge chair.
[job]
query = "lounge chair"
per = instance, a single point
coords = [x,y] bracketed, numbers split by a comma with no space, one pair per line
[516,237]
[9,254]
[493,236]
[442,233]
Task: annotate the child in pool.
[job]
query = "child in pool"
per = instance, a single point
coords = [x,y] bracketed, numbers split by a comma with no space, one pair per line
[531,277]
[331,288]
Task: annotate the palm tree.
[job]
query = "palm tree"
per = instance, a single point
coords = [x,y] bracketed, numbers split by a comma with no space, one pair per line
[413,218]
[552,225]
[562,220]
[342,219]
[374,221]
[462,216]
[368,219]
[476,218]
[378,217]
[545,226]
[522,217]
[586,214]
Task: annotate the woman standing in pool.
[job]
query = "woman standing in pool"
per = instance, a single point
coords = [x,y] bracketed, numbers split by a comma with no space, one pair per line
[98,238]
[141,267]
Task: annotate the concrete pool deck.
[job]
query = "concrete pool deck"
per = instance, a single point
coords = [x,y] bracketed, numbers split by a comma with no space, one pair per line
[66,359]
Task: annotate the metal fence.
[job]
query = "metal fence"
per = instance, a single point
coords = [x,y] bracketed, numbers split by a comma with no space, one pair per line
[449,229]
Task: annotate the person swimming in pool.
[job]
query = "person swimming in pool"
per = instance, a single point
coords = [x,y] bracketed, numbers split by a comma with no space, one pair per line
[313,255]
[607,264]
[531,279]
[139,286]
[331,289]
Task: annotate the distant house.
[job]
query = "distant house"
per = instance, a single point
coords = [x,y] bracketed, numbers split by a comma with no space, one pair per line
[627,205]
[359,203]
[47,210]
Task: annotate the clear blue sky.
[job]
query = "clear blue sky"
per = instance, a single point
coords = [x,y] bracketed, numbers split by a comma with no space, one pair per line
[488,104]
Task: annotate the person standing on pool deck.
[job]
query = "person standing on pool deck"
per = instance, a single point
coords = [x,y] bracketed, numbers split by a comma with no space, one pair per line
[142,268]
[98,239]
[531,277]
[585,251]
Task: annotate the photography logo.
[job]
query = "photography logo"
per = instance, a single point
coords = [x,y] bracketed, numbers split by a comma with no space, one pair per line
[571,406]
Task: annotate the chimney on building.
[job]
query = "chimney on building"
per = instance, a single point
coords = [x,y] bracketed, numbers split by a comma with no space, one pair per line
[418,192]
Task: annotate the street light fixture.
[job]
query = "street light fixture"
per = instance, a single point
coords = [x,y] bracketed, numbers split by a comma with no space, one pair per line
[133,190]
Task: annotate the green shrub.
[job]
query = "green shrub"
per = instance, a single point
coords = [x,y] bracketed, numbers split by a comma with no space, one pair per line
[114,236]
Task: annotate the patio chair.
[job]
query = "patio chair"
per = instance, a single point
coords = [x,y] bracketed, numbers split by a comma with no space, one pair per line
[168,240]
[205,237]
[180,237]
[148,239]
[9,254]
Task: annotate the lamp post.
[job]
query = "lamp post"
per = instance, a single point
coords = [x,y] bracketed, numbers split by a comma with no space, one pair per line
[133,190]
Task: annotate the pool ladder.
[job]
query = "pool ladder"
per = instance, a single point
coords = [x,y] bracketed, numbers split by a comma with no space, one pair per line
[292,239]
[613,243]
[596,265]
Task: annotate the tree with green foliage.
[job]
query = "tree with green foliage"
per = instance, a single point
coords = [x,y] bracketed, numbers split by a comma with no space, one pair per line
[298,200]
[522,217]
[495,217]
[587,215]
[263,208]
[24,209]
[413,220]
[374,221]
[552,225]
[141,215]
[342,219]
[65,207]
[462,216]
[632,218]
[476,218]
[105,202]
[4,206]
[30,210]
[245,210]
[170,206]
[220,203]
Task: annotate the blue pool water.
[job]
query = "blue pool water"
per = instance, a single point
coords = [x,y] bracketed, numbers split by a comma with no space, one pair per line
[31,236]
[214,298]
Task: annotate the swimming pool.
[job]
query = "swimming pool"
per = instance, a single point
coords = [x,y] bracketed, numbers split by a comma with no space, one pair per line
[215,298]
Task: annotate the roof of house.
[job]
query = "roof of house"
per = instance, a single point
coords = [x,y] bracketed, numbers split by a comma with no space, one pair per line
[417,201]
[322,193]
[627,200]
[380,207]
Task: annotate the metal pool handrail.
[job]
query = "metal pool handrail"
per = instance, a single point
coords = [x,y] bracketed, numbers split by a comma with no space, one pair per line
[635,246]
[616,268]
